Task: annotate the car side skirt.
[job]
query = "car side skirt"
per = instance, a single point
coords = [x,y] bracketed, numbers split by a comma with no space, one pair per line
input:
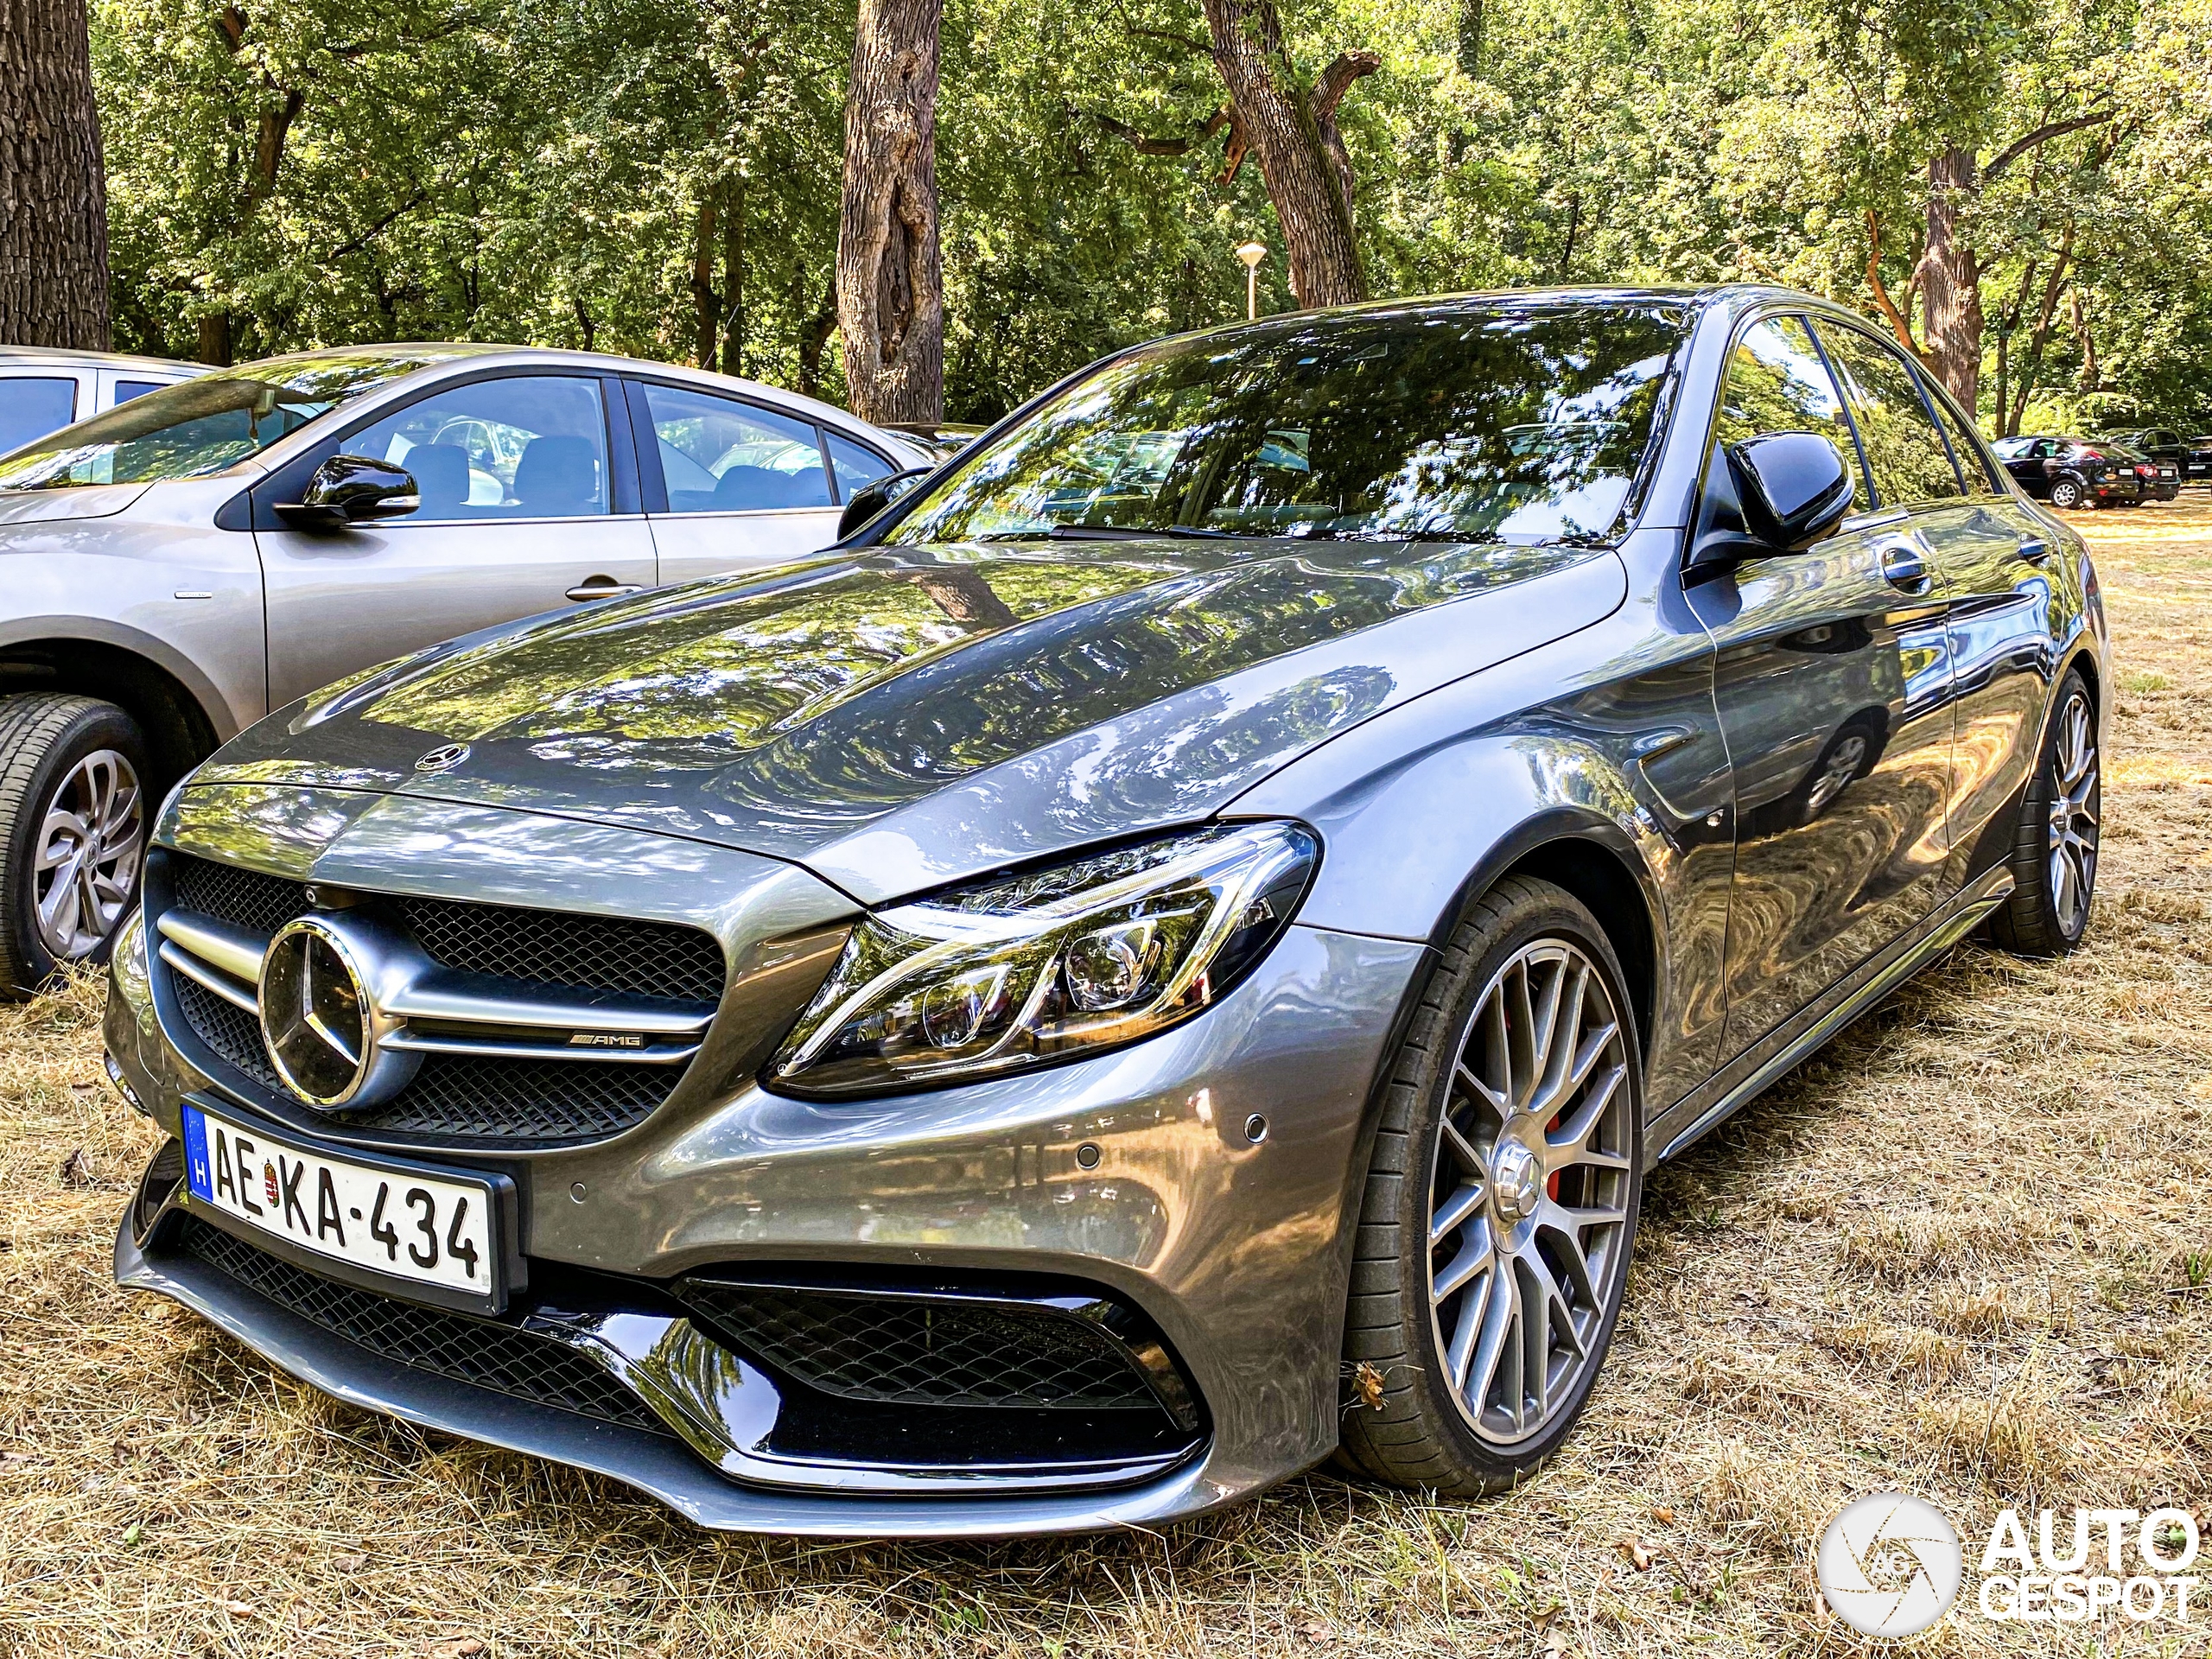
[1767,1061]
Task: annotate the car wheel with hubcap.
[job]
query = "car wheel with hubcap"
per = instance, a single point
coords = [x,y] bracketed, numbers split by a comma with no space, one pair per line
[2066,493]
[1501,1202]
[73,821]
[2054,856]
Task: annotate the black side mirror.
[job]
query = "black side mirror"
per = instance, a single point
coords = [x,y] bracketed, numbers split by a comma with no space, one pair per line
[1792,486]
[868,500]
[351,490]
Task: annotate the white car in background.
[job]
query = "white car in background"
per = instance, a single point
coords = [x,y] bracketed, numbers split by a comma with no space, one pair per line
[213,549]
[44,389]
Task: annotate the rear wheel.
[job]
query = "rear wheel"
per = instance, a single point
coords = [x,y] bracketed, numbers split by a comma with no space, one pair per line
[73,821]
[2054,857]
[2066,493]
[1501,1202]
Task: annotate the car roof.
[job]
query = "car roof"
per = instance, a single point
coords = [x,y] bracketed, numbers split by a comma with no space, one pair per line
[14,356]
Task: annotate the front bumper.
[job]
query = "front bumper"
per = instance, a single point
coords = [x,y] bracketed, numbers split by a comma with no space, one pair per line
[1132,1173]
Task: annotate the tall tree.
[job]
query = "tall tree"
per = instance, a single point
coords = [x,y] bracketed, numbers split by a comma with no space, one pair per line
[54,274]
[1288,124]
[890,274]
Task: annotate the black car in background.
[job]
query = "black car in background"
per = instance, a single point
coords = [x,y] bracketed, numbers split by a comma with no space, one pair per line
[2070,472]
[2199,457]
[2158,443]
[2161,477]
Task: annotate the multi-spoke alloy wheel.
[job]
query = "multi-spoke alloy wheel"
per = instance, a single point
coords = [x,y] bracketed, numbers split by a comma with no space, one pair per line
[2054,856]
[1501,1201]
[90,843]
[73,824]
[2075,803]
[1529,1201]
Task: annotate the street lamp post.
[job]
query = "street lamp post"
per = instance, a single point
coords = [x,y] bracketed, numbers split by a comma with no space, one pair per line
[1251,253]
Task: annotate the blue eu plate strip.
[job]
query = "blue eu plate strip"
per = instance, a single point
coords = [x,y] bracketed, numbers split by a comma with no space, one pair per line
[196,1156]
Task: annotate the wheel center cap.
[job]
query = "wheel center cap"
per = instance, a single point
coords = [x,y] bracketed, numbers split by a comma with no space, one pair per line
[1516,1180]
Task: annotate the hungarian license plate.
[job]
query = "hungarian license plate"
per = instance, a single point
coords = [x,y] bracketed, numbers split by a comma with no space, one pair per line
[398,1222]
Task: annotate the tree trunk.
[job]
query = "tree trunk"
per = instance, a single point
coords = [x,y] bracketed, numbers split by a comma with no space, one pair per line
[706,304]
[734,277]
[54,274]
[815,334]
[890,282]
[1951,278]
[1292,134]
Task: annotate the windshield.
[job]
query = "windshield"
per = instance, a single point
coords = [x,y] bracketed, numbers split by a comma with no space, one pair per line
[1468,421]
[202,425]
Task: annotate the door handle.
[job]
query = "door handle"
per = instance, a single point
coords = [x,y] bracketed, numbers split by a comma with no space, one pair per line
[603,588]
[2035,549]
[1904,567]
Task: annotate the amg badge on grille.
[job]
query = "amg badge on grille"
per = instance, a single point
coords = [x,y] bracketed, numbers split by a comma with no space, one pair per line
[606,1039]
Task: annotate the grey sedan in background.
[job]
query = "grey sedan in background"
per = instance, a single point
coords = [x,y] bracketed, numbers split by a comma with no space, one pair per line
[184,561]
[1168,955]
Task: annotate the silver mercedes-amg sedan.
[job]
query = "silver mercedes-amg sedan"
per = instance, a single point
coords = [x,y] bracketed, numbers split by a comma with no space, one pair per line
[1166,955]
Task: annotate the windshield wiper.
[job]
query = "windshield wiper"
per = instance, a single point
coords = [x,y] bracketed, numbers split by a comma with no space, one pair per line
[1104,533]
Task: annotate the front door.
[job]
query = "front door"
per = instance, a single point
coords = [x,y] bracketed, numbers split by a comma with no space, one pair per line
[1832,683]
[518,492]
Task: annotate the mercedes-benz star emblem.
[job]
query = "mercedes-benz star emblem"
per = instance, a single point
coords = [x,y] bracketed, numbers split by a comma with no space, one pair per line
[444,756]
[319,1022]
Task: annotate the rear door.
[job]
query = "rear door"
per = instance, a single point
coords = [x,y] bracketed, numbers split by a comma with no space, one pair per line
[529,503]
[1832,679]
[738,484]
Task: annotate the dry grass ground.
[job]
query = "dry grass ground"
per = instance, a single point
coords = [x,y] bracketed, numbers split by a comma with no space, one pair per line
[1964,1252]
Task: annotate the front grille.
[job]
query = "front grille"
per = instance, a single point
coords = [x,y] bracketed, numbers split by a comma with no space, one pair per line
[455,1098]
[499,1357]
[925,1351]
[537,947]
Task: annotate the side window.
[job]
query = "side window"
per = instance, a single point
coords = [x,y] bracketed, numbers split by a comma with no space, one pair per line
[1980,480]
[855,466]
[32,407]
[527,447]
[1776,383]
[1904,451]
[719,455]
[126,389]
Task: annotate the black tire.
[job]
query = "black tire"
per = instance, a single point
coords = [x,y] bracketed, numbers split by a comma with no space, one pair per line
[2054,865]
[51,750]
[2066,494]
[1423,1433]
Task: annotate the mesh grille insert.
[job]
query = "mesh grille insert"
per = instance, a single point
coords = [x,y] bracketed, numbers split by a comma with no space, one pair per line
[495,1356]
[925,1352]
[475,1098]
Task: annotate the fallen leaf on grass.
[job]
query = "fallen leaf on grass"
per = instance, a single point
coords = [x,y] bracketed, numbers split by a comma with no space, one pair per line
[239,1609]
[464,1647]
[1638,1556]
[349,1563]
[1367,1383]
[75,1172]
[1317,1630]
[1663,1516]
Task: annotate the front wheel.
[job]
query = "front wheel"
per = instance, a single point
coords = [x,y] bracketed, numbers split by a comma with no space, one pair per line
[2054,856]
[2067,494]
[1501,1202]
[74,820]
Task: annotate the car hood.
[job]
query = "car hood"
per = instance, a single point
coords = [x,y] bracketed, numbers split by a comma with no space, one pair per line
[85,501]
[902,717]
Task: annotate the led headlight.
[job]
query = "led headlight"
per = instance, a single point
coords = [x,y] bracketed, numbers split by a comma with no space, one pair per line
[1027,968]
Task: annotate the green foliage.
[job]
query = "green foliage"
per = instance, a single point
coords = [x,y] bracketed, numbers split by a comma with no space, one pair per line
[533,170]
